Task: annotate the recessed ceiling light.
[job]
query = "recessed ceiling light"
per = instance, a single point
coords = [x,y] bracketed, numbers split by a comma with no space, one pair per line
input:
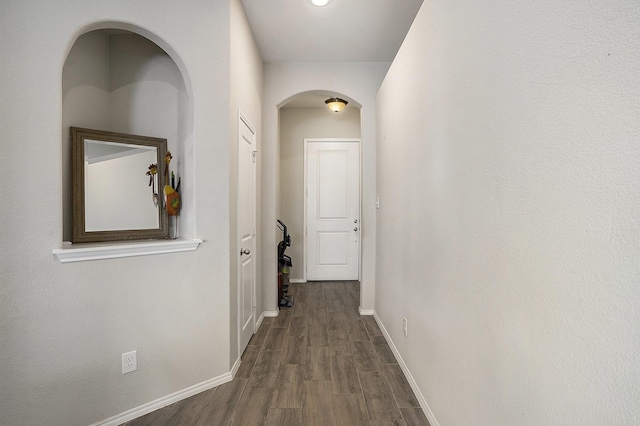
[319,2]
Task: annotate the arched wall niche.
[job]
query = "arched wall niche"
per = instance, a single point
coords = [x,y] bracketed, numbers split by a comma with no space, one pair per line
[122,78]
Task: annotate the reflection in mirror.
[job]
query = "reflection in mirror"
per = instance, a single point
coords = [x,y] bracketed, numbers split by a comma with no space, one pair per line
[114,198]
[113,181]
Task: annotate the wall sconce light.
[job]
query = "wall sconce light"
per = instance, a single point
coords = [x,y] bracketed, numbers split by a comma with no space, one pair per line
[319,2]
[336,104]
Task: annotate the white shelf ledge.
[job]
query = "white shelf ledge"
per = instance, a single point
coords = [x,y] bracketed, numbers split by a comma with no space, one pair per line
[95,251]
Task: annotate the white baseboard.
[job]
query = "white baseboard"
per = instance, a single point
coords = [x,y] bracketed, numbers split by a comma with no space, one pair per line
[169,399]
[258,322]
[270,313]
[365,311]
[235,367]
[297,280]
[414,386]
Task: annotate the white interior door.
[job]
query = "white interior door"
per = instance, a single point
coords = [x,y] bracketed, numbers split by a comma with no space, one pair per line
[246,231]
[332,184]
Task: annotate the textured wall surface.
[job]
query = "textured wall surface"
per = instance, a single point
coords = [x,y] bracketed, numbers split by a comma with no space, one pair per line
[63,327]
[509,230]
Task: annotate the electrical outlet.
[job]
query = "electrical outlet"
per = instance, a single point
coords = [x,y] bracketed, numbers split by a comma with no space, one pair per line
[129,362]
[404,326]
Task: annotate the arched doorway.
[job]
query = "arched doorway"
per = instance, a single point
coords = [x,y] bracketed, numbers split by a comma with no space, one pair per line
[305,116]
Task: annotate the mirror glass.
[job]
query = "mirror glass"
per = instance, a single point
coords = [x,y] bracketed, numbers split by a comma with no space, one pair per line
[113,180]
[115,193]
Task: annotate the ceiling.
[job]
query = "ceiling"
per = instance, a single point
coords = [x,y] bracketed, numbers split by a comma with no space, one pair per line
[342,31]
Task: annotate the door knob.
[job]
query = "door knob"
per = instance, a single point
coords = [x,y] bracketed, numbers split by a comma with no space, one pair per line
[355,229]
[244,251]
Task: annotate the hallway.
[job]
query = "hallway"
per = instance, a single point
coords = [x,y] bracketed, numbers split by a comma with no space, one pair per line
[319,363]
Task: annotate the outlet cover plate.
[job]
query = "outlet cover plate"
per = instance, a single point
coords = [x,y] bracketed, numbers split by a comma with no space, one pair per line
[129,362]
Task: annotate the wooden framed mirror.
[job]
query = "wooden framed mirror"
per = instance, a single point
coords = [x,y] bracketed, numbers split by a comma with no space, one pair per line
[116,196]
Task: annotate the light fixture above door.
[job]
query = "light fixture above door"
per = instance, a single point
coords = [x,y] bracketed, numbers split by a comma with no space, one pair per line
[319,2]
[336,104]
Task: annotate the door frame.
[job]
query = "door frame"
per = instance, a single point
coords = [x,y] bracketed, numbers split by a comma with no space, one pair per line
[304,196]
[242,118]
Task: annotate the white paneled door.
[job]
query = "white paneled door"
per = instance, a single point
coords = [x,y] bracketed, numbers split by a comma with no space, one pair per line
[246,231]
[332,177]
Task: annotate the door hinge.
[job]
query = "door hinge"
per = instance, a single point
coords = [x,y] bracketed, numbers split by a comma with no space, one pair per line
[255,302]
[254,154]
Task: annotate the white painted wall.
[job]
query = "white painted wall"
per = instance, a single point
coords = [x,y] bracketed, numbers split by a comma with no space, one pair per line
[296,124]
[246,94]
[357,81]
[508,233]
[85,81]
[148,97]
[63,327]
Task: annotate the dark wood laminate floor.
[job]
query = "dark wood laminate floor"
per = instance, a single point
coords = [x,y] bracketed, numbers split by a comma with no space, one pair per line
[318,363]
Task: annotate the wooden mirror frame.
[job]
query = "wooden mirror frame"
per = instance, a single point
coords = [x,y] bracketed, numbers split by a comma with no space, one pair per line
[78,230]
